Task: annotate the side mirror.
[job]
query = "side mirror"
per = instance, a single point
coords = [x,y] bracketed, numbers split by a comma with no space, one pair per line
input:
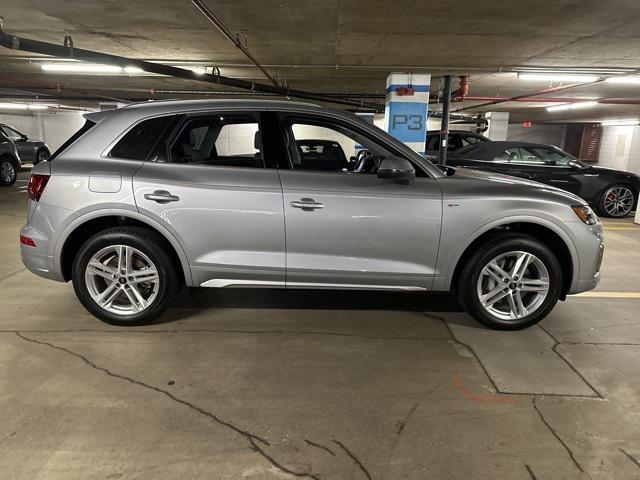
[25,138]
[576,165]
[396,168]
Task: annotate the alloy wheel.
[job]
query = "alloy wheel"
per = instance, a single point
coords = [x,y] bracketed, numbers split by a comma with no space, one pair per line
[122,280]
[7,172]
[513,285]
[618,201]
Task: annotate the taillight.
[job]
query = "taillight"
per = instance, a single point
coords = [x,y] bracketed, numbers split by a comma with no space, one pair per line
[27,241]
[36,186]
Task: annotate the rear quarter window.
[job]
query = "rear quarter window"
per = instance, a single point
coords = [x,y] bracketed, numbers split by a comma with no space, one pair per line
[139,142]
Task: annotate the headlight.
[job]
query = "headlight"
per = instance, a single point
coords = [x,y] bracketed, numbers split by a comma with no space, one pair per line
[585,214]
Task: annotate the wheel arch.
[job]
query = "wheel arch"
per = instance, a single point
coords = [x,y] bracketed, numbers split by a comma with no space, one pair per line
[557,240]
[82,228]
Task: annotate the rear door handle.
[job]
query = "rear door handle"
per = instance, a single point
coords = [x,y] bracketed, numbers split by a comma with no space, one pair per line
[161,196]
[307,204]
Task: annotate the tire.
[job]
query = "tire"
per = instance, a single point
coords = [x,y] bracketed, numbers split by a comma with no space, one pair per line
[122,306]
[475,280]
[627,200]
[42,155]
[8,171]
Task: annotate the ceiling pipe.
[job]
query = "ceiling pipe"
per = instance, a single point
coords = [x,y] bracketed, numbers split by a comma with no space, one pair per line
[17,43]
[231,37]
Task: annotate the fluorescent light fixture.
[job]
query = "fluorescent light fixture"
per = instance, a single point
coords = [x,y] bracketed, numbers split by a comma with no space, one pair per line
[571,106]
[22,106]
[97,69]
[628,79]
[558,77]
[80,68]
[623,122]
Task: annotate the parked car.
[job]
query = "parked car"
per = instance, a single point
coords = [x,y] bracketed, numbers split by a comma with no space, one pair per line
[10,163]
[150,197]
[30,150]
[456,139]
[613,193]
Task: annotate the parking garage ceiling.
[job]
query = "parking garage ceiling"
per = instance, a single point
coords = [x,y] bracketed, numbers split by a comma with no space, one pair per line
[337,46]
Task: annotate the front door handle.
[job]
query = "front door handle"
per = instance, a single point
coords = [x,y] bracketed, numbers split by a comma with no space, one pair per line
[307,204]
[161,196]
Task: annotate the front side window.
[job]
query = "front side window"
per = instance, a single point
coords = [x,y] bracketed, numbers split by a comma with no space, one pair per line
[333,148]
[138,142]
[12,134]
[223,140]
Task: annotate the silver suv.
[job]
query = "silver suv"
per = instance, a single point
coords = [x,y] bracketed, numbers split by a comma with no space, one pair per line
[223,193]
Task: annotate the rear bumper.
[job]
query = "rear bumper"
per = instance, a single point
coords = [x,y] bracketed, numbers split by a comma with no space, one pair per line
[33,257]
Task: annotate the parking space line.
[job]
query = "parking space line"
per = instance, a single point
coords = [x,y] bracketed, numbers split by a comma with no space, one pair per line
[621,228]
[608,294]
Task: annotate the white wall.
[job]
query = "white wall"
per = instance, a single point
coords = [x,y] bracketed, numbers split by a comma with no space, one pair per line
[538,133]
[53,128]
[620,147]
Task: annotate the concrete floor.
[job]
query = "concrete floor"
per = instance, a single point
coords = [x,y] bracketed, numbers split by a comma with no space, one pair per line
[243,384]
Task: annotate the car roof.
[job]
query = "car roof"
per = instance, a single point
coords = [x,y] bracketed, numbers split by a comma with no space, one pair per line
[159,107]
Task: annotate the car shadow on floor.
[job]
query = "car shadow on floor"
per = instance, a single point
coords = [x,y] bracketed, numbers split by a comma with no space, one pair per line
[196,300]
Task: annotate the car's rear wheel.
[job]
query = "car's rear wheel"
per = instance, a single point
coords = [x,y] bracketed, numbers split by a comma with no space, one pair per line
[616,201]
[511,282]
[124,276]
[8,172]
[42,156]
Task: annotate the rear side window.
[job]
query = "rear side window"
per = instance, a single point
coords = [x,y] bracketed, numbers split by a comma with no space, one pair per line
[219,140]
[72,139]
[139,142]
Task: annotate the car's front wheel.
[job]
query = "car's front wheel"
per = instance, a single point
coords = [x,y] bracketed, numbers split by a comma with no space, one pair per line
[8,172]
[124,276]
[511,282]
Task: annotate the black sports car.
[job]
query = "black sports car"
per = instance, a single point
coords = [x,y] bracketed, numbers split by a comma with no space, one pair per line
[613,193]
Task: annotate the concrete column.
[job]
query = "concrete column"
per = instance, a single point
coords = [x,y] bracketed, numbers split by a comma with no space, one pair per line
[405,114]
[498,125]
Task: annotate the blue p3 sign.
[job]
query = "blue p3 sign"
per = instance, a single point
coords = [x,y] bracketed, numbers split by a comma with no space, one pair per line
[408,121]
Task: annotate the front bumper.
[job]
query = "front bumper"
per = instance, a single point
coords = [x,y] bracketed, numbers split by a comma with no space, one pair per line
[590,248]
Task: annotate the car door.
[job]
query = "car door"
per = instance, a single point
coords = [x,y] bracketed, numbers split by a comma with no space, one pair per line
[23,146]
[211,185]
[350,228]
[551,166]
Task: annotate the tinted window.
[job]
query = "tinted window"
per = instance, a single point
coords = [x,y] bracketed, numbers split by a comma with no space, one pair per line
[72,139]
[519,155]
[551,156]
[232,140]
[432,142]
[470,139]
[509,155]
[138,142]
[12,134]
